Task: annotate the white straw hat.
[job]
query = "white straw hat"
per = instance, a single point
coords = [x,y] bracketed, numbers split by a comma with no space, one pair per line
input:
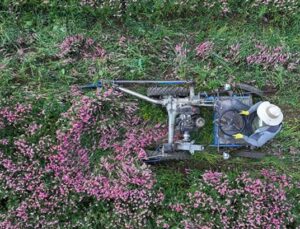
[269,114]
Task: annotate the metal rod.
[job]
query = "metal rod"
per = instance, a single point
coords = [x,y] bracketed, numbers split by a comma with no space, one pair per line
[202,104]
[92,85]
[171,125]
[164,82]
[176,82]
[139,95]
[192,92]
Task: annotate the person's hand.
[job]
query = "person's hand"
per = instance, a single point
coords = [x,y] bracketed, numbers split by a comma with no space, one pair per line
[244,113]
[238,136]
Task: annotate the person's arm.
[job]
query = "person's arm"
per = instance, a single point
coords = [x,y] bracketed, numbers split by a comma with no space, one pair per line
[254,107]
[251,110]
[258,139]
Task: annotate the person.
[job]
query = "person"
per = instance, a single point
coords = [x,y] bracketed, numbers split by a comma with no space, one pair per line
[269,119]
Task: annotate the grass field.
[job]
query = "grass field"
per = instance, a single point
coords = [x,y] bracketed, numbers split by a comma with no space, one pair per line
[37,68]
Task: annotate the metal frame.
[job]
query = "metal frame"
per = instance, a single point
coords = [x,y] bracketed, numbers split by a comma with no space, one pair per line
[172,106]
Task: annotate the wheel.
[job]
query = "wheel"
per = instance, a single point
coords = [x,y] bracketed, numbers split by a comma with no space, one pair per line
[237,89]
[165,91]
[249,154]
[231,122]
[157,156]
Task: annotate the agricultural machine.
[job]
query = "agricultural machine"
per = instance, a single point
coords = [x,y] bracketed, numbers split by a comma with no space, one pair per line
[184,105]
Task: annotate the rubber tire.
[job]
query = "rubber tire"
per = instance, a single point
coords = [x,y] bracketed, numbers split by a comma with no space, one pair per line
[249,154]
[249,88]
[165,91]
[174,156]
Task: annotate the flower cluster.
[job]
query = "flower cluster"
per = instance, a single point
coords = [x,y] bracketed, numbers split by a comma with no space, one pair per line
[222,5]
[33,128]
[91,3]
[13,115]
[24,177]
[122,41]
[117,6]
[180,50]
[284,6]
[180,59]
[272,57]
[242,203]
[45,176]
[233,53]
[77,46]
[51,177]
[204,49]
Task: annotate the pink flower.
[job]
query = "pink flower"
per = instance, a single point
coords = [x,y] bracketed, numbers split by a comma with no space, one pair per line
[78,46]
[122,41]
[212,177]
[166,226]
[4,141]
[33,127]
[204,49]
[269,57]
[180,50]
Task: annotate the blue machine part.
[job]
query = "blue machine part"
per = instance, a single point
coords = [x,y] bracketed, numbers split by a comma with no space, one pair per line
[219,138]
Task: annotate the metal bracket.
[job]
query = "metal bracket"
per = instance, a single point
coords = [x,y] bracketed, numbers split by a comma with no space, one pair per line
[189,146]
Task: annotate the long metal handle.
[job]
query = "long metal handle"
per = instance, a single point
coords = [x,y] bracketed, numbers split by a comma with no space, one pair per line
[116,82]
[160,102]
[169,82]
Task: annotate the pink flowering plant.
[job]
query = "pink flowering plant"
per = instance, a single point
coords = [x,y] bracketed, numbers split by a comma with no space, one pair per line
[120,8]
[243,202]
[220,6]
[74,159]
[204,49]
[273,7]
[270,57]
[51,171]
[78,46]
[94,160]
[233,53]
[180,59]
[11,116]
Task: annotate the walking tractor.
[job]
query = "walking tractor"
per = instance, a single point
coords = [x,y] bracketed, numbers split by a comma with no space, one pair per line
[237,122]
